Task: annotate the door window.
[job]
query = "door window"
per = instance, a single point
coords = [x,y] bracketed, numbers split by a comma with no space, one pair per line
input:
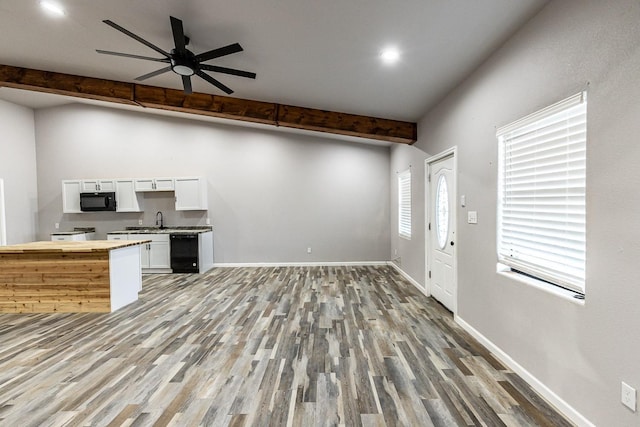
[442,211]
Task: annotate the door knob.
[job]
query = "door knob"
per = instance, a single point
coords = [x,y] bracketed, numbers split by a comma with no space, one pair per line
[452,243]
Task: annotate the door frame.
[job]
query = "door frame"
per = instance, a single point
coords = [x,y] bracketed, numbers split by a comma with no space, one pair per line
[453,152]
[3,218]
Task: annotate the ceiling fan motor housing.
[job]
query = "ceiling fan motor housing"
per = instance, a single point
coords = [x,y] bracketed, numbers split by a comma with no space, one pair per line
[183,65]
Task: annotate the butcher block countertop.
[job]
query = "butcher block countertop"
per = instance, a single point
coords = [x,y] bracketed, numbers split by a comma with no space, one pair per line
[69,246]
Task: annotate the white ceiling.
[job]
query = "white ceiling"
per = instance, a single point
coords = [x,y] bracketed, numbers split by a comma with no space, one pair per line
[318,54]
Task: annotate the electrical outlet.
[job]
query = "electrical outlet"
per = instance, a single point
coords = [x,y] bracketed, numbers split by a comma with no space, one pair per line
[139,222]
[309,250]
[628,396]
[472,217]
[57,225]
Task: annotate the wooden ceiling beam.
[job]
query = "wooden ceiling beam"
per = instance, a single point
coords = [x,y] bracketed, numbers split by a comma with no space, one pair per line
[209,105]
[66,84]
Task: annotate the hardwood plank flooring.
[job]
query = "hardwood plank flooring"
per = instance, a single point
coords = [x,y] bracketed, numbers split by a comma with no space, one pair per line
[289,346]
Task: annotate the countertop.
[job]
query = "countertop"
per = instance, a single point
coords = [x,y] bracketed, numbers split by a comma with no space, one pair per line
[76,230]
[165,230]
[70,233]
[69,246]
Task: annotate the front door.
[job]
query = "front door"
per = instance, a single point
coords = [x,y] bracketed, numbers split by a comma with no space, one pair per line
[442,232]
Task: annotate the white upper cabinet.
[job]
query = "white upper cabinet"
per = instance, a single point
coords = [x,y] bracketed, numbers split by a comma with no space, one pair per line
[154,184]
[191,194]
[71,190]
[127,200]
[93,185]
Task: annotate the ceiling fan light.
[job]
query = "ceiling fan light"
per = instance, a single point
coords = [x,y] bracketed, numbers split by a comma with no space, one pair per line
[182,66]
[183,70]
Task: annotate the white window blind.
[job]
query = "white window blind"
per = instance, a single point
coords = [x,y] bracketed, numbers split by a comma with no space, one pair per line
[542,176]
[404,204]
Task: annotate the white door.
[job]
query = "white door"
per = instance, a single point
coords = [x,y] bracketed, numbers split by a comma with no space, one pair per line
[442,232]
[3,226]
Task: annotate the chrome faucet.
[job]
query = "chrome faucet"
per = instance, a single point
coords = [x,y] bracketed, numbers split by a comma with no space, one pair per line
[161,220]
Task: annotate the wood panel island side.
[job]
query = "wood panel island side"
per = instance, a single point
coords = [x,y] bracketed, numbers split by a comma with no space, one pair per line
[69,277]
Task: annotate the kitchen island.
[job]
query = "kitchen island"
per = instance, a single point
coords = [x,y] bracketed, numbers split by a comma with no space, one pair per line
[69,276]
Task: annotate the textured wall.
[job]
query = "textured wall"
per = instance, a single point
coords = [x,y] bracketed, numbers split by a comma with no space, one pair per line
[271,194]
[580,352]
[18,170]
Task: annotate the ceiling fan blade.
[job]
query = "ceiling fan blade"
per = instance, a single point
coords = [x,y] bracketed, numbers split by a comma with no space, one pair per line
[217,53]
[225,70]
[135,37]
[215,82]
[178,35]
[128,55]
[153,74]
[186,83]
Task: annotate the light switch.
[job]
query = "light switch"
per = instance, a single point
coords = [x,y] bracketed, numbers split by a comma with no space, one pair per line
[463,200]
[472,217]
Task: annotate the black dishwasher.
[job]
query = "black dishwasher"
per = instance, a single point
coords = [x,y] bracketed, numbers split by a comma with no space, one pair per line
[184,253]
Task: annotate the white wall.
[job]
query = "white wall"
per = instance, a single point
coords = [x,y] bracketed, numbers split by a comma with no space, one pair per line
[18,170]
[580,352]
[271,194]
[409,255]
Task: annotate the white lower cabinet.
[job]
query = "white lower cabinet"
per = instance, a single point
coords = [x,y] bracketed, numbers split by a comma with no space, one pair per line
[117,237]
[159,252]
[68,237]
[154,256]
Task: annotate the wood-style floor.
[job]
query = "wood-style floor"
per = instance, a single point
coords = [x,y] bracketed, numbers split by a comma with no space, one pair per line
[297,346]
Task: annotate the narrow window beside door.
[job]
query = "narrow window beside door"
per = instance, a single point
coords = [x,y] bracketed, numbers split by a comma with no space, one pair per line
[541,194]
[404,203]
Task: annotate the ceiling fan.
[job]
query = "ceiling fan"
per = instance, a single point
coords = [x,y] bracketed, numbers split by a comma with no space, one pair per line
[181,60]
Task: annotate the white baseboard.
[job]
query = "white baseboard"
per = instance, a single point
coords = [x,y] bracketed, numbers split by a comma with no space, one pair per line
[535,383]
[297,264]
[409,278]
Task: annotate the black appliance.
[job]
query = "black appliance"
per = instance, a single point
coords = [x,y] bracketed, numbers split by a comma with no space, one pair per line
[184,253]
[96,202]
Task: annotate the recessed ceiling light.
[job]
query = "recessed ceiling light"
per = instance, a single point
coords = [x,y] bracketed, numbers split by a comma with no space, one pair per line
[390,55]
[51,7]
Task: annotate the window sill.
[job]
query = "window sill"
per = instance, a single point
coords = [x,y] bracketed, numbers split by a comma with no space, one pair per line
[565,294]
[404,237]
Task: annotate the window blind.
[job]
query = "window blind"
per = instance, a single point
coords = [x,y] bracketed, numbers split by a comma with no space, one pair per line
[404,203]
[542,188]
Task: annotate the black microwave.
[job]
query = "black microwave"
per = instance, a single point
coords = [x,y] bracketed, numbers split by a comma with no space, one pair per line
[96,202]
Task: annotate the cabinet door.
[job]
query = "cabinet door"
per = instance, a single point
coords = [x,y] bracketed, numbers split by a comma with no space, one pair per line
[127,200]
[71,190]
[144,248]
[164,184]
[90,185]
[191,194]
[144,184]
[159,255]
[93,185]
[106,185]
